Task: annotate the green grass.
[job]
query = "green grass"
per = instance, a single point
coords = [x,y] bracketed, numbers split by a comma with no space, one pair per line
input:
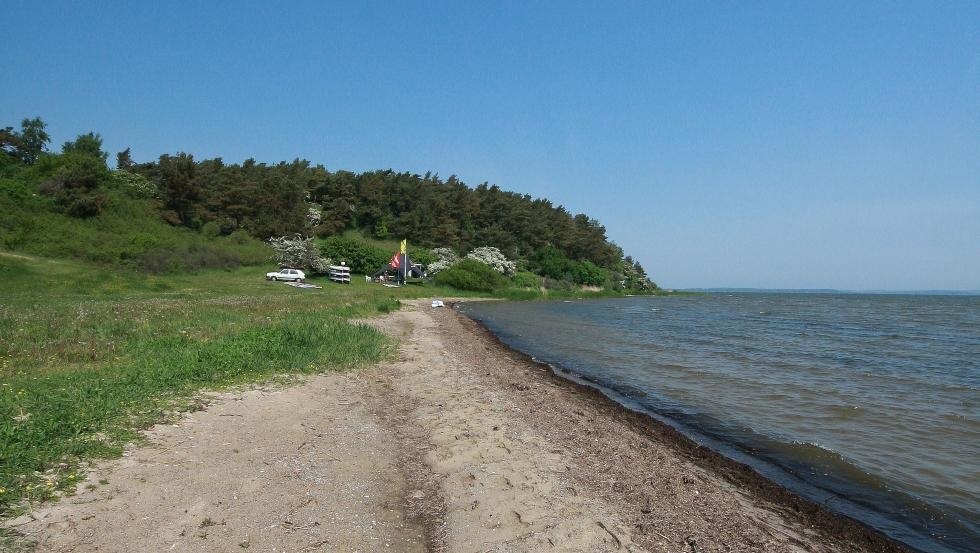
[13,542]
[89,356]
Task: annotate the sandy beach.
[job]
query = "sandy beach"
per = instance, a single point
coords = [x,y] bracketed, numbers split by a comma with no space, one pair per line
[458,444]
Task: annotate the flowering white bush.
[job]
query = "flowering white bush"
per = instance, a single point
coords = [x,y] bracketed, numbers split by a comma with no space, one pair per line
[298,251]
[136,185]
[319,264]
[633,277]
[447,258]
[314,215]
[494,258]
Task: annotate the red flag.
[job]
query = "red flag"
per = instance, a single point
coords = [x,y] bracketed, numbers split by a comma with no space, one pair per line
[396,261]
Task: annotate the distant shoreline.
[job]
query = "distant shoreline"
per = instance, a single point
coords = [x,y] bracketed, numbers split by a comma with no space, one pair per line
[831,291]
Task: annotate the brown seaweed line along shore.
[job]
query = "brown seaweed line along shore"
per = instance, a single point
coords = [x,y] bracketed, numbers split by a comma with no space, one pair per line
[805,511]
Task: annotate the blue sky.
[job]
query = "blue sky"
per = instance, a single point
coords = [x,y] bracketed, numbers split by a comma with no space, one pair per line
[783,144]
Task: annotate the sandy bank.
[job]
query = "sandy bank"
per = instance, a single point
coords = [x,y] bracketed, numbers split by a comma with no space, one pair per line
[457,445]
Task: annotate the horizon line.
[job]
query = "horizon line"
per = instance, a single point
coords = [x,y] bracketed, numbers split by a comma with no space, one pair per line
[928,291]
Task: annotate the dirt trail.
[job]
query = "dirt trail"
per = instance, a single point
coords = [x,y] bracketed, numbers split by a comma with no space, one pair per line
[457,445]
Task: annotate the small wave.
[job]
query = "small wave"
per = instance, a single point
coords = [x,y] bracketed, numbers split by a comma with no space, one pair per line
[847,411]
[803,444]
[807,456]
[630,391]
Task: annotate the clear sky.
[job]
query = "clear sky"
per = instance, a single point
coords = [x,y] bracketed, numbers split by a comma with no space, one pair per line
[784,144]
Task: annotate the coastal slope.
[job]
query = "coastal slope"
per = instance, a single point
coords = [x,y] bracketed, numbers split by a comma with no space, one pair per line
[458,444]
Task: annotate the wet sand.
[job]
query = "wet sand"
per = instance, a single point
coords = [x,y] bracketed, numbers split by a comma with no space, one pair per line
[459,444]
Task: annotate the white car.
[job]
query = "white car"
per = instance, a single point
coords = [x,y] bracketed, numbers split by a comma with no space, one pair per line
[287,274]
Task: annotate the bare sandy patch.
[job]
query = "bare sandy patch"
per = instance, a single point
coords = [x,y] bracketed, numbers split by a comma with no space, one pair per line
[306,468]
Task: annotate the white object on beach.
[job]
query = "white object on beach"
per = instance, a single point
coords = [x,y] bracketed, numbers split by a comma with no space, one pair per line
[340,273]
[438,303]
[303,285]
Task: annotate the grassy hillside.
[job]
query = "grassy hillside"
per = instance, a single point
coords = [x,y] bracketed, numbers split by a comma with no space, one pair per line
[128,231]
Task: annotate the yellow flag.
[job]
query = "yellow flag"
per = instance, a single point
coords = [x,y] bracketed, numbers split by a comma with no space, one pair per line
[404,246]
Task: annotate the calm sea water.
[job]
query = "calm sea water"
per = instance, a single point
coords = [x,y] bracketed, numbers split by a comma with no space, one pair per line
[869,404]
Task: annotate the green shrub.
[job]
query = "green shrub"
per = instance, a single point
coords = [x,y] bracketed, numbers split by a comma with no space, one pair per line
[144,241]
[550,262]
[589,274]
[470,274]
[525,279]
[77,186]
[423,256]
[359,256]
[211,229]
[241,237]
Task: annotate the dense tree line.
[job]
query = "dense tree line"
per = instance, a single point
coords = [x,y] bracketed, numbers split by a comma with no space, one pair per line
[299,197]
[271,200]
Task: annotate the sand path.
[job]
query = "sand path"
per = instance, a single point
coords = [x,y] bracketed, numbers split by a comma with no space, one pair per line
[457,445]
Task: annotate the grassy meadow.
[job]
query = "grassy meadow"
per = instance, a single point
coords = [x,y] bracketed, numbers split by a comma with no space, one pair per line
[90,355]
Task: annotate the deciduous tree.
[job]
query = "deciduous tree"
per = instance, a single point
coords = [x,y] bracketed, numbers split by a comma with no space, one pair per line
[89,144]
[33,139]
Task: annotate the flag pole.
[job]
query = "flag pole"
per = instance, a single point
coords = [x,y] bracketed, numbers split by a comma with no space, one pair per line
[404,248]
